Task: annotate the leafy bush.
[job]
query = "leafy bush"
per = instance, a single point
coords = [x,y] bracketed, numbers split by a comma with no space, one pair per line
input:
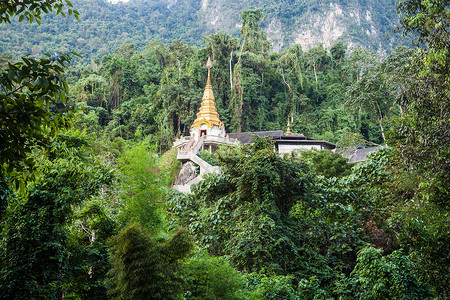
[386,277]
[327,163]
[271,287]
[212,278]
[210,158]
[36,249]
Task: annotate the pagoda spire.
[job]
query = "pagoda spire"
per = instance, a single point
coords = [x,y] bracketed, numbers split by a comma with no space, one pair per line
[288,131]
[208,111]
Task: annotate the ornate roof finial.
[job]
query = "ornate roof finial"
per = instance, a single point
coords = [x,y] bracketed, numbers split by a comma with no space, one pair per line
[288,131]
[209,66]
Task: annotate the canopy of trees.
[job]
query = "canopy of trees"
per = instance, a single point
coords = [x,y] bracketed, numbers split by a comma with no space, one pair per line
[86,209]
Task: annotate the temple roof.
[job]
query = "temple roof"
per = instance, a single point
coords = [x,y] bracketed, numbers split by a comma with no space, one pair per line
[278,138]
[246,137]
[208,112]
[359,154]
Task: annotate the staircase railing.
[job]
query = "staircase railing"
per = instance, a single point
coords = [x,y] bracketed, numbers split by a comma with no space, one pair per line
[199,144]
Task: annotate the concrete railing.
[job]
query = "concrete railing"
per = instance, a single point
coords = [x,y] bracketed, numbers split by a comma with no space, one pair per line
[199,144]
[186,188]
[219,140]
[189,152]
[181,142]
[205,167]
[188,144]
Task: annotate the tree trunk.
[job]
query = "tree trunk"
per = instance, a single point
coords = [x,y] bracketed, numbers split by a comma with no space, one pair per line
[315,74]
[231,71]
[380,120]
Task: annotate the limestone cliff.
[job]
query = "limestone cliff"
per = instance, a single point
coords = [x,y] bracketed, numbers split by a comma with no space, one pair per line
[309,23]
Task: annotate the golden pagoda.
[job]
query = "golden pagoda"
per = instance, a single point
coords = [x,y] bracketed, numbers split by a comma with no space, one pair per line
[288,131]
[207,121]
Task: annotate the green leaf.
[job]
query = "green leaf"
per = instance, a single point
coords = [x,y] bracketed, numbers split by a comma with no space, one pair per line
[75,53]
[43,82]
[11,74]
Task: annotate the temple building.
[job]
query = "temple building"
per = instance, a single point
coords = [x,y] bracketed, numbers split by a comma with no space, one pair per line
[285,143]
[208,133]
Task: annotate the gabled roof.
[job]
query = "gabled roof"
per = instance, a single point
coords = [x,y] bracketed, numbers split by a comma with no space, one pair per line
[278,137]
[247,137]
[301,139]
[359,154]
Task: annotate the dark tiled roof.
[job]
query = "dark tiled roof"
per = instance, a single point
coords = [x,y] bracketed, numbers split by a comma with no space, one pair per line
[279,138]
[246,137]
[301,139]
[359,154]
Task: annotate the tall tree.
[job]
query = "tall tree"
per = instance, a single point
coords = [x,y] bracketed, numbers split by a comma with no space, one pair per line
[32,91]
[35,253]
[422,135]
[370,94]
[254,50]
[144,268]
[254,39]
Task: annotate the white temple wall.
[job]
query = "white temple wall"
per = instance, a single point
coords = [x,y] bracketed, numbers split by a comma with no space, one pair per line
[290,148]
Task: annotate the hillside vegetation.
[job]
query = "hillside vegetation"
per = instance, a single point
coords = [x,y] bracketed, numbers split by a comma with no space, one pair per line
[104,26]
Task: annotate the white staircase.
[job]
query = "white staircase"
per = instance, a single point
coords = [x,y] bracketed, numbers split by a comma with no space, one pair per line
[189,153]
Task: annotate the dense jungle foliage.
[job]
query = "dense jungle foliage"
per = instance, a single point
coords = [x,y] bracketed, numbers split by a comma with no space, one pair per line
[156,93]
[86,209]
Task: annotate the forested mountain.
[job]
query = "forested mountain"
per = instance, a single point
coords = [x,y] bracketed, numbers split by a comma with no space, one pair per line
[86,166]
[104,26]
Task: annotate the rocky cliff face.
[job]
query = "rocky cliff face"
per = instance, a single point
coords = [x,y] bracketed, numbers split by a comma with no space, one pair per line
[309,23]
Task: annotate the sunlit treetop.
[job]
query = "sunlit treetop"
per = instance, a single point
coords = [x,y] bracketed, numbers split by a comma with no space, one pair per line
[33,9]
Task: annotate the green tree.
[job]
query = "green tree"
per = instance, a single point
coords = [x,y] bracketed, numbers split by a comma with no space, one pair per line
[327,163]
[212,278]
[338,51]
[421,136]
[381,277]
[32,92]
[141,188]
[360,61]
[254,39]
[125,51]
[91,226]
[35,255]
[316,57]
[270,214]
[271,287]
[144,268]
[222,48]
[32,9]
[249,71]
[369,94]
[243,213]
[29,93]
